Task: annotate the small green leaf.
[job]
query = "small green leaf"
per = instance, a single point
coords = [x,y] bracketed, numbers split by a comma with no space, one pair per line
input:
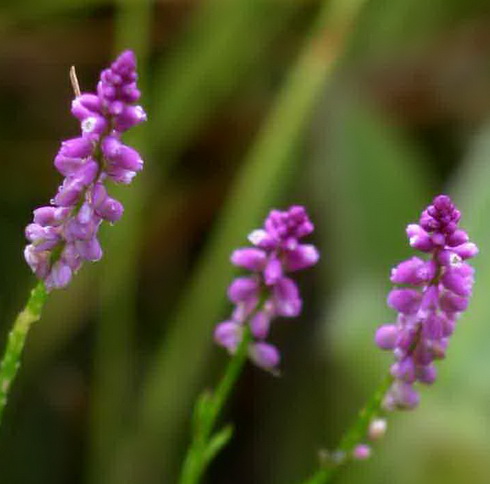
[217,442]
[201,411]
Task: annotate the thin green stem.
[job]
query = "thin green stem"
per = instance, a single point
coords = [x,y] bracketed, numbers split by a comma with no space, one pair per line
[355,434]
[16,341]
[207,411]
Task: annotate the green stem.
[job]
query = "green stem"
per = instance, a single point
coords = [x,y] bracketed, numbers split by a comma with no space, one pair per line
[355,434]
[16,341]
[208,409]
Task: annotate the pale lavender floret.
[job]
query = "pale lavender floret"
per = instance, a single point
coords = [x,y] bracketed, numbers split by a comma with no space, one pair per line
[243,289]
[268,292]
[405,301]
[413,271]
[302,257]
[260,324]
[60,275]
[429,311]
[265,355]
[249,258]
[121,156]
[386,336]
[228,334]
[273,271]
[68,228]
[89,249]
[286,299]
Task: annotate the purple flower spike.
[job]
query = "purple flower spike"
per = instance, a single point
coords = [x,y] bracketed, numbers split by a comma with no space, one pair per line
[268,292]
[428,311]
[65,233]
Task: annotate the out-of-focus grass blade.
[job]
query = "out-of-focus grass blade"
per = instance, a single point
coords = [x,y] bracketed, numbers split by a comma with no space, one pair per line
[372,182]
[391,28]
[172,380]
[35,11]
[224,42]
[113,366]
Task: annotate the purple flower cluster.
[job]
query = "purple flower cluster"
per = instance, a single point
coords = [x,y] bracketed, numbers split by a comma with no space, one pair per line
[64,233]
[428,310]
[268,292]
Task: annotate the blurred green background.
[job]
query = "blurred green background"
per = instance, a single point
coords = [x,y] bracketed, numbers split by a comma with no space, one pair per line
[362,111]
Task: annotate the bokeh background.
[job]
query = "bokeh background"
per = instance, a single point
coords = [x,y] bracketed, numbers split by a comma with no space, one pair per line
[362,110]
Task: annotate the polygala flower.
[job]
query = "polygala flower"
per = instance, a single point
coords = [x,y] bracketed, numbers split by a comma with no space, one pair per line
[268,292]
[64,234]
[433,294]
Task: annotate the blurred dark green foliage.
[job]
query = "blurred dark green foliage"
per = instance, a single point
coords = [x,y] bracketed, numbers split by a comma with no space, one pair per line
[111,371]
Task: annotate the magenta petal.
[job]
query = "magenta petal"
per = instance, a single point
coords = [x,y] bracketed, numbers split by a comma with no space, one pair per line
[426,374]
[419,238]
[44,216]
[89,249]
[260,324]
[229,335]
[110,210]
[302,257]
[71,257]
[60,276]
[68,166]
[262,239]
[457,283]
[249,258]
[413,271]
[361,452]
[458,237]
[121,156]
[273,271]
[386,336]
[467,250]
[404,370]
[404,396]
[406,301]
[265,355]
[76,147]
[243,289]
[129,117]
[287,301]
[68,193]
[433,326]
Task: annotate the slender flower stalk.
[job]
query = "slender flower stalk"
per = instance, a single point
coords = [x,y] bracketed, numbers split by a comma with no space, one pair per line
[434,292]
[64,233]
[16,341]
[265,294]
